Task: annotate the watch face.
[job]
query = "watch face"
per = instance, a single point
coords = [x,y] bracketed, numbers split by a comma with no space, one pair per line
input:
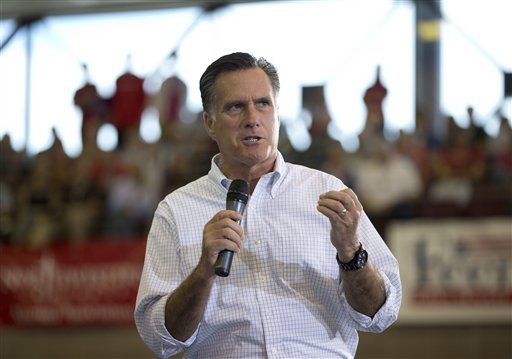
[358,262]
[362,258]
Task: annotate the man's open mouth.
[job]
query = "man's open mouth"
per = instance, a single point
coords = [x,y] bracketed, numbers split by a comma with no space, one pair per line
[252,138]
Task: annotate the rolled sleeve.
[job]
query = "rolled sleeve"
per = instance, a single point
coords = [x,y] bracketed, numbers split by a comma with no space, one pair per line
[385,316]
[158,324]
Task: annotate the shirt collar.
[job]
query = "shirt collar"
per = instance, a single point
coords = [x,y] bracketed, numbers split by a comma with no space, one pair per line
[280,171]
[277,175]
[216,174]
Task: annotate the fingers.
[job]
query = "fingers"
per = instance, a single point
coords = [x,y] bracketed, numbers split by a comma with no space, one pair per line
[343,210]
[223,232]
[339,203]
[226,214]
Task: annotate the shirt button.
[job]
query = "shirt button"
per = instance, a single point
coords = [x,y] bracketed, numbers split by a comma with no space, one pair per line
[257,242]
[269,312]
[273,350]
[263,278]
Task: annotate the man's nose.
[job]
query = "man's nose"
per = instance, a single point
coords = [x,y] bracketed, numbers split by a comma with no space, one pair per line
[252,116]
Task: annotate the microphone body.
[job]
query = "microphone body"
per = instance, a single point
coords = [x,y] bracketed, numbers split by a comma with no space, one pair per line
[236,200]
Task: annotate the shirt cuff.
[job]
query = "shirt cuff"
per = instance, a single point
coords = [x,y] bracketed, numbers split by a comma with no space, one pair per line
[161,330]
[385,316]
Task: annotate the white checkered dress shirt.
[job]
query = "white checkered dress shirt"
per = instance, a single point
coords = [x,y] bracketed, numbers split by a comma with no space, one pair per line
[283,297]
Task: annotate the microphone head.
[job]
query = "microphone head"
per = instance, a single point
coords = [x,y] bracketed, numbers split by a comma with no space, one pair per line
[238,191]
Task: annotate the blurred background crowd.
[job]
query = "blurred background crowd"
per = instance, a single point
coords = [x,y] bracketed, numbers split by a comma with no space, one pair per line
[51,197]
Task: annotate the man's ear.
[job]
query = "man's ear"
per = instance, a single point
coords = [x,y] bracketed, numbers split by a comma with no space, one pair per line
[209,124]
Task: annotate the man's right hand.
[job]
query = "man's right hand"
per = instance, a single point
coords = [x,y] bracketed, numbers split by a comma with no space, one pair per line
[220,233]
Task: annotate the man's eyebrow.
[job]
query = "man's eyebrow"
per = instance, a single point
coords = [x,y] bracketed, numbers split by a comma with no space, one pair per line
[263,98]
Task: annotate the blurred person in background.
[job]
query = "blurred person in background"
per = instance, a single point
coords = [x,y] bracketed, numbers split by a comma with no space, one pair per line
[128,204]
[389,182]
[11,175]
[127,103]
[457,167]
[83,202]
[95,109]
[310,270]
[499,153]
[40,202]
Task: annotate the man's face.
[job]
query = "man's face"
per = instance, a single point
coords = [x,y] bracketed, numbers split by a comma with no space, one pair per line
[245,124]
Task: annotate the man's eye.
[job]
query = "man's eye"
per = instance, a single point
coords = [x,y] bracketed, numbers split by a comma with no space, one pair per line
[263,103]
[235,107]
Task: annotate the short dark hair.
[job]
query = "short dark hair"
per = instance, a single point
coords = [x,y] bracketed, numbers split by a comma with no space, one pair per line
[233,62]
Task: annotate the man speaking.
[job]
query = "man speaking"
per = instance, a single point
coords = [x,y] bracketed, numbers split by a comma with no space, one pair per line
[308,269]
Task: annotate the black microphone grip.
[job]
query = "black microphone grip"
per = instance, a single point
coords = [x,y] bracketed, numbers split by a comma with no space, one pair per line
[236,200]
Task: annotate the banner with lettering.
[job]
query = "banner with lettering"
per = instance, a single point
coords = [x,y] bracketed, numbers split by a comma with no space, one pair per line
[94,283]
[454,271]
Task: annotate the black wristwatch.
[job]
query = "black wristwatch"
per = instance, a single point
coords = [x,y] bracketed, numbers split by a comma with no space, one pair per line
[359,261]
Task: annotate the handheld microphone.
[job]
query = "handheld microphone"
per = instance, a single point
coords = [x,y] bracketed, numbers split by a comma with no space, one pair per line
[238,195]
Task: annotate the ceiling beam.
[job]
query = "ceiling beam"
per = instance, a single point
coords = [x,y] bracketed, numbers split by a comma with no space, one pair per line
[16,9]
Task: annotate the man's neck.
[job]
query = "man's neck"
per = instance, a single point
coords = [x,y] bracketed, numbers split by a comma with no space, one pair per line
[249,174]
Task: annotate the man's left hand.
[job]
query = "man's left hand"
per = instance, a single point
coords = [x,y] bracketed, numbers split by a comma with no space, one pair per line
[343,210]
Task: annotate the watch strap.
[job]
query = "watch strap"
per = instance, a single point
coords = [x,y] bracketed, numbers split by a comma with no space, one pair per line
[359,261]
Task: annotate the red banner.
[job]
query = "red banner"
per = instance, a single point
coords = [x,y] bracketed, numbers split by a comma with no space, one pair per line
[88,284]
